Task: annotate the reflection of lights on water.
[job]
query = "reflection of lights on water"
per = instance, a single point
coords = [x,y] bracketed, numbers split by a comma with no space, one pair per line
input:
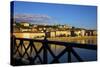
[26,35]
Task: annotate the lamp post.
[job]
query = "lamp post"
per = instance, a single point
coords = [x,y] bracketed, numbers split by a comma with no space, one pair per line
[44,29]
[45,60]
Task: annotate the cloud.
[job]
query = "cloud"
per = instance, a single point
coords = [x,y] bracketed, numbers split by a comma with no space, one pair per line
[33,18]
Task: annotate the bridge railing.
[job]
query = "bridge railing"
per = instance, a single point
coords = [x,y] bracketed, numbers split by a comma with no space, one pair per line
[17,49]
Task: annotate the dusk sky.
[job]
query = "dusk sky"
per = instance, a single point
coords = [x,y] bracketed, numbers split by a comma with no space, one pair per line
[74,15]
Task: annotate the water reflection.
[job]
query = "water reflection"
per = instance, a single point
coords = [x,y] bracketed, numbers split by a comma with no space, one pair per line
[87,55]
[87,41]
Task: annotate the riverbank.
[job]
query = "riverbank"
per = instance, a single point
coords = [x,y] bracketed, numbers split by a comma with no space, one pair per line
[76,38]
[85,39]
[80,39]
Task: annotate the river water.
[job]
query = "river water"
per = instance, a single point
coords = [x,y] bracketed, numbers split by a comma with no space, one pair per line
[85,54]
